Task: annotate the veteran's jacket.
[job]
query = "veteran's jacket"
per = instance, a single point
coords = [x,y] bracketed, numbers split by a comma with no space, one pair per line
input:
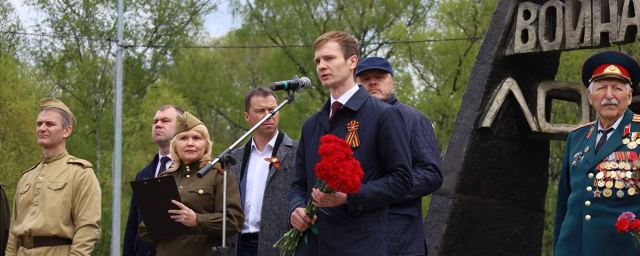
[204,196]
[594,190]
[358,227]
[60,197]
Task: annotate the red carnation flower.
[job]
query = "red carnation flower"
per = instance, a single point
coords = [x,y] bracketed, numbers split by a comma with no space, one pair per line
[338,168]
[635,225]
[622,225]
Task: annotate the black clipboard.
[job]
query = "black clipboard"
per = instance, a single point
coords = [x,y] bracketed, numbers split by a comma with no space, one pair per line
[154,201]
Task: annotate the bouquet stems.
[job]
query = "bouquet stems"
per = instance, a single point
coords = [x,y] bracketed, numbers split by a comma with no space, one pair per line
[289,241]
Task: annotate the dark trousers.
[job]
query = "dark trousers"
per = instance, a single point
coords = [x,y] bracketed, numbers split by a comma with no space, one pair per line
[247,248]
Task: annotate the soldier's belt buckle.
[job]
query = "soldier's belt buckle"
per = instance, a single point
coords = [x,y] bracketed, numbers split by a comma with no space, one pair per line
[27,242]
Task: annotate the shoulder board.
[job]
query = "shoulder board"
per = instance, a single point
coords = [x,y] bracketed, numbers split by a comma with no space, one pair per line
[584,125]
[31,168]
[84,163]
[636,118]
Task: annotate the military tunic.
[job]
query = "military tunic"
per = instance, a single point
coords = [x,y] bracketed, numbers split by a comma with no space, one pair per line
[59,197]
[586,214]
[204,196]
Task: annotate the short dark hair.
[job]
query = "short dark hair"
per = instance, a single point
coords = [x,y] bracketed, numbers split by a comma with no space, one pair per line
[65,117]
[165,107]
[258,91]
[347,43]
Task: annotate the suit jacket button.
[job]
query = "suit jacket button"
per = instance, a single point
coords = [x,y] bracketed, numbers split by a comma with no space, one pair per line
[359,207]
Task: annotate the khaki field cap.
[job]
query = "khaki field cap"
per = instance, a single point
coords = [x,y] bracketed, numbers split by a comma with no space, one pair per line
[185,122]
[53,103]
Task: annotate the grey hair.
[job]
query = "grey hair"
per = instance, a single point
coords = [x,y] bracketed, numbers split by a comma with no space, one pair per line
[66,118]
[591,87]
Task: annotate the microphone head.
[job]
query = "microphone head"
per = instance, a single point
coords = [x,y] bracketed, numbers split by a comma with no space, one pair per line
[305,82]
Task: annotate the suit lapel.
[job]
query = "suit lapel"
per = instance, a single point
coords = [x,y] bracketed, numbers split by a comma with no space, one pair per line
[282,153]
[615,141]
[591,143]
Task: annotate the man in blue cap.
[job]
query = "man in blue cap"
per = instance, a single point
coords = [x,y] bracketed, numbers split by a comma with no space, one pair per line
[406,227]
[599,179]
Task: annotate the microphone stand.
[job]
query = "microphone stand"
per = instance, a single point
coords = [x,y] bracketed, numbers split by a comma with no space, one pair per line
[229,161]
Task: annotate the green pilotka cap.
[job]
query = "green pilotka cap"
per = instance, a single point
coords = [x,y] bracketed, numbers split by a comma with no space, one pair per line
[185,122]
[54,103]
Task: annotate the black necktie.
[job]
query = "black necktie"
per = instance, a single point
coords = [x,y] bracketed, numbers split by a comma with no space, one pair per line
[334,107]
[603,138]
[163,164]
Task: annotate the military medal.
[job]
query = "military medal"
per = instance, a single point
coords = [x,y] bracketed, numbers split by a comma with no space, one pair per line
[601,183]
[631,191]
[586,149]
[620,194]
[609,184]
[607,192]
[600,175]
[596,193]
[619,184]
[625,141]
[603,166]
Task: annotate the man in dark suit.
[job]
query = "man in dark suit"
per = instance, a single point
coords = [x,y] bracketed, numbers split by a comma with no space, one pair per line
[349,224]
[599,179]
[5,218]
[406,227]
[164,123]
[265,172]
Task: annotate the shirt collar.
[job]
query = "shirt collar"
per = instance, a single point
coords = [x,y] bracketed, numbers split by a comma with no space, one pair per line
[160,156]
[346,96]
[271,143]
[615,125]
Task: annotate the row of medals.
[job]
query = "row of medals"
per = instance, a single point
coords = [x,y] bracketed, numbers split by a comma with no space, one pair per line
[619,174]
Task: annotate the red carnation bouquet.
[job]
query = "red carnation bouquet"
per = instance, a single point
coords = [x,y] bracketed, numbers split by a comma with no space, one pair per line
[337,171]
[627,222]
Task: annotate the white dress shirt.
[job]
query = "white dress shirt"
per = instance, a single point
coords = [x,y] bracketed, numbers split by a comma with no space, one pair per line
[160,156]
[344,98]
[256,173]
[615,127]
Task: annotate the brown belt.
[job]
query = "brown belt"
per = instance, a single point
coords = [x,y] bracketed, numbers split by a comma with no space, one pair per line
[42,241]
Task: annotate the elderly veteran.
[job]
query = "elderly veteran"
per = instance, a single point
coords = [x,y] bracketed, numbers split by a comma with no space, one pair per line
[599,177]
[201,207]
[56,210]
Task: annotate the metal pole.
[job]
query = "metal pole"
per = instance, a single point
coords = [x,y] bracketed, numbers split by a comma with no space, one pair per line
[117,147]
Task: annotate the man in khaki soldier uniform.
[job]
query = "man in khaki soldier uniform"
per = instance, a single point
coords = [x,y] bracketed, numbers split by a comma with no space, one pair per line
[56,210]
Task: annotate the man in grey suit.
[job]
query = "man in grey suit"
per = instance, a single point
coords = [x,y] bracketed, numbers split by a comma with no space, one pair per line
[265,171]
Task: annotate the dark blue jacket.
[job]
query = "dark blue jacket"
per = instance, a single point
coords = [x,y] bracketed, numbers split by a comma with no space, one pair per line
[406,226]
[358,227]
[133,245]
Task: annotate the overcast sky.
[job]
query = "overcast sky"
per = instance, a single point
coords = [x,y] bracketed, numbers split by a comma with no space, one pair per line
[217,23]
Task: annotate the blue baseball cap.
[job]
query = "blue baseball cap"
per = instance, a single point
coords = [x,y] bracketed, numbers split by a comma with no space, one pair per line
[374,63]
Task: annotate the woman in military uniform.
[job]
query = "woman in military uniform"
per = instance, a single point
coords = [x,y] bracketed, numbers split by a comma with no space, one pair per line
[201,207]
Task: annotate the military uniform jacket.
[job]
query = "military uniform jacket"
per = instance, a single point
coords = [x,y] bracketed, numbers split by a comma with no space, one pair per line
[60,196]
[585,214]
[274,218]
[203,196]
[358,227]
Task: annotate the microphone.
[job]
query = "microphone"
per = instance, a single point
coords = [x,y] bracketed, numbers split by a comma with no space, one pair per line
[295,84]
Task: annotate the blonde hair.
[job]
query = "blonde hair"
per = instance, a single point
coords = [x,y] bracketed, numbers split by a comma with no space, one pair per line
[202,130]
